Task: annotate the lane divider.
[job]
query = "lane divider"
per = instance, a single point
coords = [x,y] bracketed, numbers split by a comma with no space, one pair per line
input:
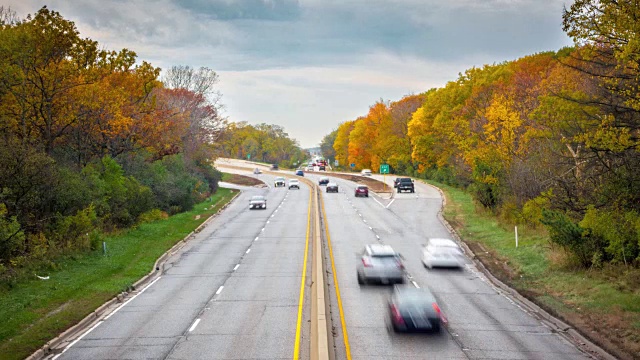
[345,335]
[296,346]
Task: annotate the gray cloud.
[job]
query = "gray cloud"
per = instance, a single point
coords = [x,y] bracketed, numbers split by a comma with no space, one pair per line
[272,52]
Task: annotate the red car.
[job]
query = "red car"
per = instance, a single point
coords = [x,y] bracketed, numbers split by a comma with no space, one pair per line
[362,190]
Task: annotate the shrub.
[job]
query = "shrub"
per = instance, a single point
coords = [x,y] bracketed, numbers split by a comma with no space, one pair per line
[152,215]
[581,242]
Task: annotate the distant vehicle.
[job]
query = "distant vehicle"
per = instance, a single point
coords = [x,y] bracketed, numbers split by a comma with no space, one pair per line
[274,167]
[323,181]
[258,202]
[414,309]
[405,184]
[299,172]
[279,181]
[322,168]
[332,187]
[310,167]
[380,263]
[257,171]
[362,190]
[365,172]
[294,183]
[442,253]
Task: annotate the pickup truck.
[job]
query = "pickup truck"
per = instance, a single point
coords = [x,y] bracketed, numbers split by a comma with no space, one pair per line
[405,184]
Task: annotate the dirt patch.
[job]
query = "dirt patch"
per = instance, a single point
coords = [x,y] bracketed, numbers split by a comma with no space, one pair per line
[241,180]
[373,184]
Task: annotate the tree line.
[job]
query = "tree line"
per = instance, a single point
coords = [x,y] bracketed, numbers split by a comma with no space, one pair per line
[93,140]
[550,138]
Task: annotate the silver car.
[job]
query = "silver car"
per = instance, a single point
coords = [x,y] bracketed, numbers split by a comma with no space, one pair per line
[380,263]
[258,202]
[442,253]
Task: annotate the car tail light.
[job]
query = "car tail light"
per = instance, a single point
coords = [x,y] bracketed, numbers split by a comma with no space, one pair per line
[443,319]
[397,318]
[366,262]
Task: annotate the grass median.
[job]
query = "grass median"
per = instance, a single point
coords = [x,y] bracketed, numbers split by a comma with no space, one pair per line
[36,311]
[603,304]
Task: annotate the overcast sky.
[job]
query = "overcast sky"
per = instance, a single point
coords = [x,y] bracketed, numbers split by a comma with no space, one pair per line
[309,65]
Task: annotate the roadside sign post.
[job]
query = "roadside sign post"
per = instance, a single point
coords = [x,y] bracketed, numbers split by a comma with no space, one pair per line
[384,170]
[352,166]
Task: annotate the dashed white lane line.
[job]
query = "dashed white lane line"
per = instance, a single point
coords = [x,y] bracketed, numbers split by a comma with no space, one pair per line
[256,239]
[390,203]
[262,229]
[247,251]
[267,221]
[219,290]
[364,220]
[378,236]
[370,228]
[103,320]
[236,267]
[194,325]
[359,214]
[415,284]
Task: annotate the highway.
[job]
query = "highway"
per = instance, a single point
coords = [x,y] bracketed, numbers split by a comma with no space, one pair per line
[482,322]
[232,293]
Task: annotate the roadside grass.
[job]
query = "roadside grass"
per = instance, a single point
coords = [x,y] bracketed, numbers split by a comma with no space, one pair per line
[241,179]
[35,311]
[602,303]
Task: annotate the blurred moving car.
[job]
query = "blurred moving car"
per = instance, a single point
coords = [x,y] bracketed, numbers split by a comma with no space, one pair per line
[380,263]
[405,184]
[310,167]
[362,190]
[365,172]
[332,187]
[323,181]
[274,167]
[258,202]
[321,168]
[414,309]
[294,183]
[442,253]
[279,181]
[257,171]
[299,172]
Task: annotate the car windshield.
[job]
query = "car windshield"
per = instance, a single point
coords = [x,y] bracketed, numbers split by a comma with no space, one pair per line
[405,180]
[279,178]
[362,187]
[414,297]
[332,184]
[293,181]
[257,197]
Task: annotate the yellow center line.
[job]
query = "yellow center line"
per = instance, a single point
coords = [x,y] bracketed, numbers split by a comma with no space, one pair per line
[296,347]
[345,336]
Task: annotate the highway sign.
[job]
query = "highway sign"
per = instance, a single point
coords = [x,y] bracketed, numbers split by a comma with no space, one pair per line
[353,165]
[384,168]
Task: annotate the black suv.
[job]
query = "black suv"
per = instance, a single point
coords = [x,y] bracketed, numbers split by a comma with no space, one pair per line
[405,184]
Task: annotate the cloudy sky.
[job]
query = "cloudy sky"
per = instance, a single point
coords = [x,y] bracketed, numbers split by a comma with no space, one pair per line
[309,65]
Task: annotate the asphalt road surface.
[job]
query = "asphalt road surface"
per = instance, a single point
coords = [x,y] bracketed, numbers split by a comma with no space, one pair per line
[232,293]
[482,322]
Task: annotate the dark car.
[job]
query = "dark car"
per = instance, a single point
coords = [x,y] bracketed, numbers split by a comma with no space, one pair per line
[323,181]
[414,310]
[405,184]
[395,182]
[274,167]
[321,168]
[362,190]
[299,172]
[332,187]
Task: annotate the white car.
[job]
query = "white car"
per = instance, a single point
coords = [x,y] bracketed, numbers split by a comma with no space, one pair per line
[279,182]
[365,172]
[258,202]
[442,253]
[294,183]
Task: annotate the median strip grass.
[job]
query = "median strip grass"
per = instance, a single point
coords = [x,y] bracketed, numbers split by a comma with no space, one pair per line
[35,311]
[603,304]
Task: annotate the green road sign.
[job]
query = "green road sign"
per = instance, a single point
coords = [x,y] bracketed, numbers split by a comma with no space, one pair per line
[384,168]
[248,156]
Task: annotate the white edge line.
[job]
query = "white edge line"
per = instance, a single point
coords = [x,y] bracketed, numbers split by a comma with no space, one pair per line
[390,203]
[101,321]
[377,201]
[236,267]
[133,297]
[194,325]
[415,284]
[219,290]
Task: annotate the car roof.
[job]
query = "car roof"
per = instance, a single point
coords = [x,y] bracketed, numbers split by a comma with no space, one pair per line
[379,249]
[324,178]
[362,186]
[332,184]
[295,180]
[257,197]
[442,242]
[411,294]
[280,178]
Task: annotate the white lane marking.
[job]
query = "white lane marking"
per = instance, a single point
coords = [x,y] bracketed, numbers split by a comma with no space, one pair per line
[194,325]
[256,239]
[378,236]
[267,221]
[359,214]
[236,267]
[133,297]
[272,215]
[377,201]
[262,229]
[219,290]
[364,220]
[103,320]
[415,284]
[370,228]
[247,251]
[277,209]
[390,203]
